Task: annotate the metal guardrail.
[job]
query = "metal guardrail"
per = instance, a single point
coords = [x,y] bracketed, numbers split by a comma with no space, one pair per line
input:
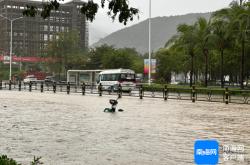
[200,94]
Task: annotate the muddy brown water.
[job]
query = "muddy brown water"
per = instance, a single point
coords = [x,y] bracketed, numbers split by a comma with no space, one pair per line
[74,130]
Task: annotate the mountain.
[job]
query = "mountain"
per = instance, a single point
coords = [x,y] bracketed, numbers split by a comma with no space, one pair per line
[136,36]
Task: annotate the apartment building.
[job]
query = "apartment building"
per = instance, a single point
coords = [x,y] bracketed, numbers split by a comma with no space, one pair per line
[31,34]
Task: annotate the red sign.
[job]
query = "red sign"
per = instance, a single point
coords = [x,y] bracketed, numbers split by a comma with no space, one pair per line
[26,59]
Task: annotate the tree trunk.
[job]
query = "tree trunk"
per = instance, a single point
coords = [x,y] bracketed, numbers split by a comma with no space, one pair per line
[222,68]
[197,78]
[185,78]
[247,80]
[242,64]
[210,72]
[192,69]
[194,76]
[230,79]
[60,73]
[205,51]
[241,1]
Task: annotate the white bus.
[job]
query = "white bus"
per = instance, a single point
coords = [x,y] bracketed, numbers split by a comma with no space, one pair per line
[110,79]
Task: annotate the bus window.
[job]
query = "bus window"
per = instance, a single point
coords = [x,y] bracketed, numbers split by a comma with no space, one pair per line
[114,77]
[109,77]
[127,77]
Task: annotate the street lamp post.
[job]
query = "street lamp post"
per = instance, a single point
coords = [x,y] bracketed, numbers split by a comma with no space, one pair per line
[11,25]
[149,44]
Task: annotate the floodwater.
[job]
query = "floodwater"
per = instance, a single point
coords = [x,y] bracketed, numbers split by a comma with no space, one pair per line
[74,130]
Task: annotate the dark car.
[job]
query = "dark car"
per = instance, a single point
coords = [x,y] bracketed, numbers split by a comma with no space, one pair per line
[49,80]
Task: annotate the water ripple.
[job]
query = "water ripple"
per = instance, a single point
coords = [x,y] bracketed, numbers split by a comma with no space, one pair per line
[73,130]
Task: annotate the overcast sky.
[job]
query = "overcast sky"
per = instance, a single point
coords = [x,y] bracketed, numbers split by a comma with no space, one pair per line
[103,25]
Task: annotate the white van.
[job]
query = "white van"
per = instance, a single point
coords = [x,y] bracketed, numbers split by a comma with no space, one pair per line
[110,79]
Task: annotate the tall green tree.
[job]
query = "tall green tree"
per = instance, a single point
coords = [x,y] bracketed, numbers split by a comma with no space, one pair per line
[203,33]
[117,59]
[237,16]
[66,52]
[108,57]
[97,54]
[218,44]
[240,24]
[187,39]
[222,38]
[170,60]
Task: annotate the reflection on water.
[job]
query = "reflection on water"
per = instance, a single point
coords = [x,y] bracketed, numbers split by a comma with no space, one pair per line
[74,130]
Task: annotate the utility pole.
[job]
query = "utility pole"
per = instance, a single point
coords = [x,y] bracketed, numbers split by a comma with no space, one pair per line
[11,38]
[149,44]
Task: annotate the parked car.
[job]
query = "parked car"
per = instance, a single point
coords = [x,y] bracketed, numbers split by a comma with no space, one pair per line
[29,78]
[49,80]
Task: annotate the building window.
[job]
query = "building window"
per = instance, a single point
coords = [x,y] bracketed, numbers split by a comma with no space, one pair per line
[51,28]
[45,37]
[45,27]
[41,46]
[41,36]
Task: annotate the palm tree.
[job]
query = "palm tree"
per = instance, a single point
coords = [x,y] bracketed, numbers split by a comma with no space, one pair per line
[240,24]
[187,40]
[203,32]
[237,20]
[221,36]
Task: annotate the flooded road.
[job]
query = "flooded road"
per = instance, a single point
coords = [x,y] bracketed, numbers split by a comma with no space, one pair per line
[74,130]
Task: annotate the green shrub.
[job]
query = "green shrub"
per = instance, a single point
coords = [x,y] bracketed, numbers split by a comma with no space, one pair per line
[198,89]
[4,160]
